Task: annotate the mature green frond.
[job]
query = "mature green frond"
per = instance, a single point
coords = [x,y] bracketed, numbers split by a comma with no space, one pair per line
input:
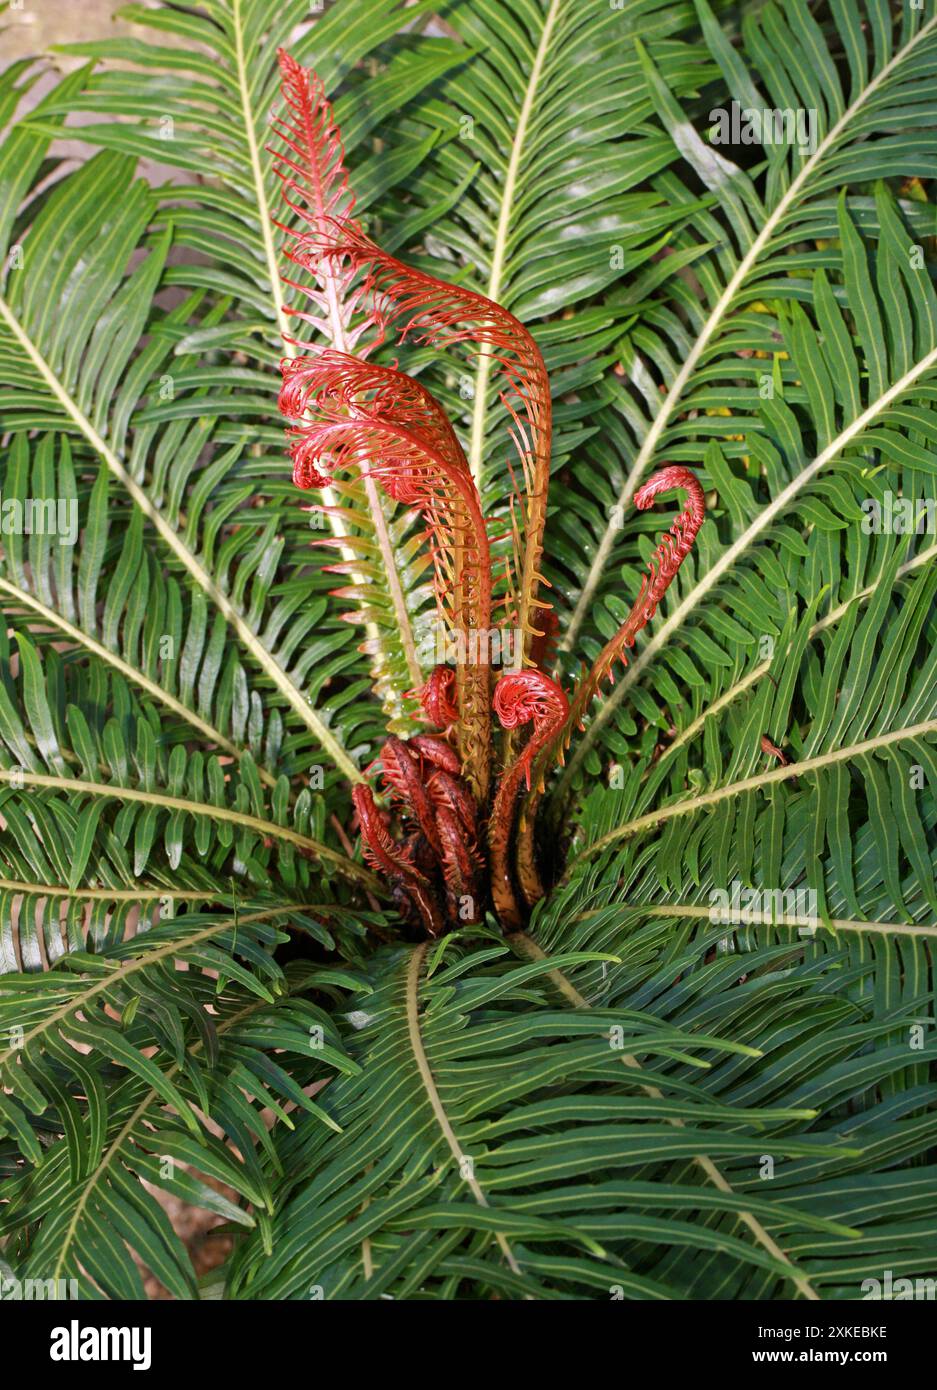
[836,1030]
[98,795]
[800,447]
[482,1164]
[211,104]
[772,260]
[97,1112]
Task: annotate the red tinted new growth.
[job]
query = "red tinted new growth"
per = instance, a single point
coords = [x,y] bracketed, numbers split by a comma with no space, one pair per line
[437,697]
[345,412]
[431,311]
[410,888]
[436,752]
[309,160]
[381,851]
[666,560]
[520,698]
[352,413]
[664,563]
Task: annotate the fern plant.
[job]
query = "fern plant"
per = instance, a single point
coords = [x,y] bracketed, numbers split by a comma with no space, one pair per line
[596,991]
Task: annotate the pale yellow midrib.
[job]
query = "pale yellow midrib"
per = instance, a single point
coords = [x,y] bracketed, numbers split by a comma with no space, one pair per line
[130,673]
[130,967]
[729,556]
[755,675]
[132,895]
[746,784]
[265,661]
[646,452]
[114,1147]
[761,919]
[20,778]
[414,969]
[525,945]
[499,250]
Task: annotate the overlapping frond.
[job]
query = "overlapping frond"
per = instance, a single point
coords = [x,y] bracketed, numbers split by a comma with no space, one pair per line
[703,351]
[705,1070]
[109,1072]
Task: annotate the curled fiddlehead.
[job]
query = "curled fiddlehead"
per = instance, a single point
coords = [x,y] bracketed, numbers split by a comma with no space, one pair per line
[437,697]
[669,555]
[521,697]
[671,551]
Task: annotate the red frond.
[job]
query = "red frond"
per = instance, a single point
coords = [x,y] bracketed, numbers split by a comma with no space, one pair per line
[671,551]
[522,697]
[438,697]
[460,868]
[310,162]
[352,413]
[662,568]
[381,851]
[436,752]
[446,790]
[431,311]
[403,777]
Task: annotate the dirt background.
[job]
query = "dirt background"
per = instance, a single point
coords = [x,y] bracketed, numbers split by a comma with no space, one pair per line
[32,26]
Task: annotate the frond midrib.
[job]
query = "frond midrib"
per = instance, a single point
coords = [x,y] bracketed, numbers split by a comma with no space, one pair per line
[265,660]
[692,804]
[115,791]
[711,326]
[732,553]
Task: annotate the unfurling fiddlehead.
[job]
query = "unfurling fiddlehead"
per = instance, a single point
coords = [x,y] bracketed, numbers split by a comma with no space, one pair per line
[521,697]
[430,311]
[671,551]
[348,412]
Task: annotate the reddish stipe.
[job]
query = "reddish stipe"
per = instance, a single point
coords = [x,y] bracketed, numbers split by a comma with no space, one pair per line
[521,697]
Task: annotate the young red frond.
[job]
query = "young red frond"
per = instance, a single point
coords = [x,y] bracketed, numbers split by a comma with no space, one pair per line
[381,851]
[662,568]
[521,697]
[524,697]
[671,551]
[432,311]
[436,752]
[437,697]
[310,162]
[403,777]
[352,413]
